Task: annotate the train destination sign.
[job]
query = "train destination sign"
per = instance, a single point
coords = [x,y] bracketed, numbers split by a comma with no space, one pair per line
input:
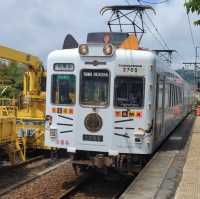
[96,73]
[63,67]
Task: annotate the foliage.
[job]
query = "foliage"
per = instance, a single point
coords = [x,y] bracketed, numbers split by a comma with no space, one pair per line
[187,75]
[194,7]
[14,73]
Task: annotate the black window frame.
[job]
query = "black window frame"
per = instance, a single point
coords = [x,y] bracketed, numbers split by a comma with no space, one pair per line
[122,76]
[52,90]
[109,89]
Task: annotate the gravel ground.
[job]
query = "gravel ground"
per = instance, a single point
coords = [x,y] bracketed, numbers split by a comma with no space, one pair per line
[47,186]
[101,188]
[54,183]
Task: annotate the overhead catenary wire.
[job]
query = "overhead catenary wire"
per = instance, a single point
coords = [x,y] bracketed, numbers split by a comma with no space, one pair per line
[153,3]
[156,29]
[154,35]
[191,32]
[161,40]
[158,32]
[156,38]
[195,48]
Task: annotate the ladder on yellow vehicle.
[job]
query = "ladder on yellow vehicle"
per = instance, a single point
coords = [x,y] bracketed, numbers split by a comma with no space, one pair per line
[9,142]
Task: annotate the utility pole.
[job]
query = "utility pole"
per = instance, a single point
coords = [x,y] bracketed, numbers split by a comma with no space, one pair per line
[196,67]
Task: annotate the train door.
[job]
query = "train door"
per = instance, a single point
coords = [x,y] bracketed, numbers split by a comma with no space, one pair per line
[95,112]
[159,112]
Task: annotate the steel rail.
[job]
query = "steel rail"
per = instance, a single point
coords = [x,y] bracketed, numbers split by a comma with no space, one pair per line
[75,187]
[21,164]
[30,179]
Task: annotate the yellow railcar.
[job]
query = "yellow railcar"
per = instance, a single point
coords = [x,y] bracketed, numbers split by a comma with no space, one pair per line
[30,113]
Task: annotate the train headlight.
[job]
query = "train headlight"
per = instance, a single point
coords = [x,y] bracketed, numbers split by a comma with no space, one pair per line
[108,49]
[83,49]
[140,132]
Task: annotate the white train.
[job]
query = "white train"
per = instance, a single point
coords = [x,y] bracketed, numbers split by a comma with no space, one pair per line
[108,99]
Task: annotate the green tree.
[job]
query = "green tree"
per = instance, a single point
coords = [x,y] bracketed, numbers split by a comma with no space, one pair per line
[14,73]
[194,7]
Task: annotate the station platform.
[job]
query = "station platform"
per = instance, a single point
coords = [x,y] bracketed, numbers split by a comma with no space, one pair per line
[174,171]
[189,186]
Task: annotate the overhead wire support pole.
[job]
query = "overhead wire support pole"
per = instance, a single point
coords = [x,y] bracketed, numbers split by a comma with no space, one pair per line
[196,66]
[166,54]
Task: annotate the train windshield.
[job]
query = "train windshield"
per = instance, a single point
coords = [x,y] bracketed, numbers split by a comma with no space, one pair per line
[129,92]
[94,87]
[63,89]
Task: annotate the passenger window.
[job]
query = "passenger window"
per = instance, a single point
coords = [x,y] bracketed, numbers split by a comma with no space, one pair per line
[160,98]
[173,91]
[129,92]
[94,87]
[170,95]
[166,95]
[63,89]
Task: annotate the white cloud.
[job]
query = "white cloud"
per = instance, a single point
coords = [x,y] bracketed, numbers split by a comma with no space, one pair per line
[39,27]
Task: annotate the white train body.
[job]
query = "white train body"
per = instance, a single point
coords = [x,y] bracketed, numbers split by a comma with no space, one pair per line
[123,103]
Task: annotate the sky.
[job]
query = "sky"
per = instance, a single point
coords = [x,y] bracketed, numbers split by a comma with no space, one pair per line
[39,27]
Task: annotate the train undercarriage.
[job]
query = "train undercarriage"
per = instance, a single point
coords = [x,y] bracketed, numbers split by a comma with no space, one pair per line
[101,162]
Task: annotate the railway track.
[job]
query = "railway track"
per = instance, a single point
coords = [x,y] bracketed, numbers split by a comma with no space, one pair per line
[13,177]
[96,187]
[46,183]
[60,182]
[21,164]
[74,188]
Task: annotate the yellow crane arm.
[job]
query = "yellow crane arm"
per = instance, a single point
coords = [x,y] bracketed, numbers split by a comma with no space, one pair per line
[13,55]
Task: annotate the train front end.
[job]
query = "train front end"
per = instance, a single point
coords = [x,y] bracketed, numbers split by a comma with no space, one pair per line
[100,98]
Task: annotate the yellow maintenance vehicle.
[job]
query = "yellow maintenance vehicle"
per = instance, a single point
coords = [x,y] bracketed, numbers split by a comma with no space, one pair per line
[30,107]
[9,142]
